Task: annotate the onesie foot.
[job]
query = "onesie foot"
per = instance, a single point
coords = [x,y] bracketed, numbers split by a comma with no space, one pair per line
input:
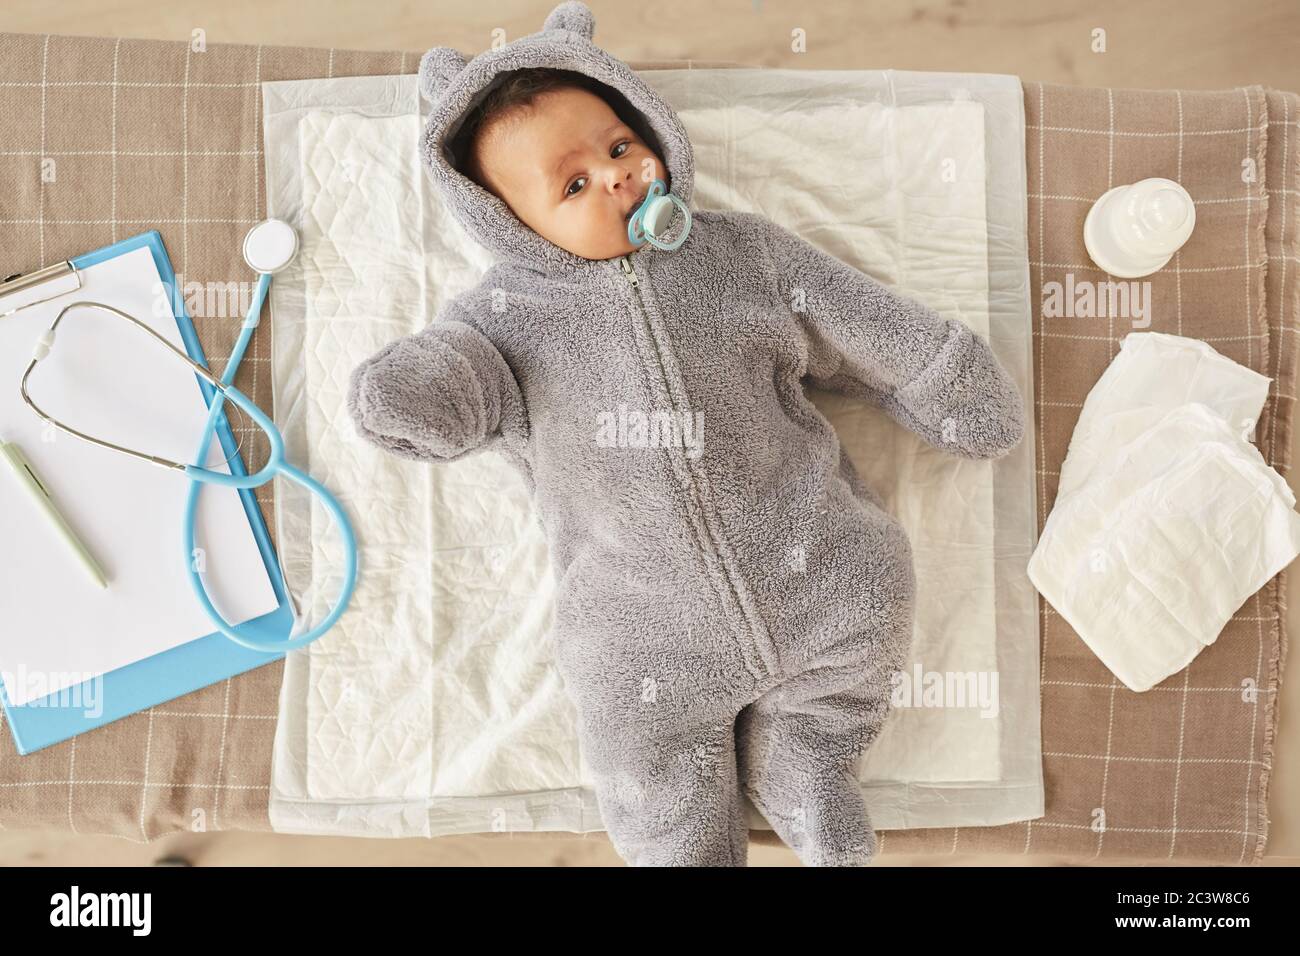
[825,825]
[799,750]
[672,802]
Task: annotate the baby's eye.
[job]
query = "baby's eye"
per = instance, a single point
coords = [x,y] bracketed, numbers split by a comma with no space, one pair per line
[614,153]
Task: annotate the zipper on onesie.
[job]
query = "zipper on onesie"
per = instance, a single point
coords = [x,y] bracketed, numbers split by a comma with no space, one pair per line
[767,663]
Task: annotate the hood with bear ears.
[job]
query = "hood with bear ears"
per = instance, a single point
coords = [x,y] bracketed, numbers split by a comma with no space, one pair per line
[452,86]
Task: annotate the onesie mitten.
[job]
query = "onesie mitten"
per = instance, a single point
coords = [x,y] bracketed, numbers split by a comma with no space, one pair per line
[436,395]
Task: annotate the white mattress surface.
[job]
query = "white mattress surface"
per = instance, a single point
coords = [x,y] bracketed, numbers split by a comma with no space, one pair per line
[434,706]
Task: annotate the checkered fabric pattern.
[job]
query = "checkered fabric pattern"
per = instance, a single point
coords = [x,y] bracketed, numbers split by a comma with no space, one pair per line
[1179,772]
[148,134]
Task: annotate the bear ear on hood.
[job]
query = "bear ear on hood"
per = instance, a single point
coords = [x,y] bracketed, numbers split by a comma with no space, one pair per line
[438,68]
[574,16]
[440,65]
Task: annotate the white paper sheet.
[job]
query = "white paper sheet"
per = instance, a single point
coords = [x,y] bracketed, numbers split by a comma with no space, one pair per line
[111,380]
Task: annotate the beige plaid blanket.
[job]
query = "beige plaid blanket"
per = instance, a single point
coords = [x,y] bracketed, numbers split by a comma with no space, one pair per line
[149,134]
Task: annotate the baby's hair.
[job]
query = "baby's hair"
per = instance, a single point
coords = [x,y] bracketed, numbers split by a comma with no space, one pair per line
[517,90]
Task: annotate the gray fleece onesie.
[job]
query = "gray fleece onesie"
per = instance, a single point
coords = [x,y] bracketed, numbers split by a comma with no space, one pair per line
[731,598]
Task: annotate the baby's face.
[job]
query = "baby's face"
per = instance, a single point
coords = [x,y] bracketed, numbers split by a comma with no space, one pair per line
[571,171]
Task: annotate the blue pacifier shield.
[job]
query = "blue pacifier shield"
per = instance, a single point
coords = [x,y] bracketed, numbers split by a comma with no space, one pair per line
[652,220]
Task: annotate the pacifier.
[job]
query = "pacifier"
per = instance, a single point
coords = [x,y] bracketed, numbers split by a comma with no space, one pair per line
[652,220]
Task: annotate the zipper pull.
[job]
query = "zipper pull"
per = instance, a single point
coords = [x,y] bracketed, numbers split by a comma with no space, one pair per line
[627,269]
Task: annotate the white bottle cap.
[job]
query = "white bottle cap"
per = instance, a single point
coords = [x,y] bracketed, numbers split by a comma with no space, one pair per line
[1134,230]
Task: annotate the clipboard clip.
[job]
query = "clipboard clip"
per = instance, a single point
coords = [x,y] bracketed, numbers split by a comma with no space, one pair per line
[19,291]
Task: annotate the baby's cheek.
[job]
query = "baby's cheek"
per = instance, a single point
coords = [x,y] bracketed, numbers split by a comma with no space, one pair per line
[652,169]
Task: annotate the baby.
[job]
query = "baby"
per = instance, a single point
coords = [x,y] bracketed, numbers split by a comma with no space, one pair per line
[728,613]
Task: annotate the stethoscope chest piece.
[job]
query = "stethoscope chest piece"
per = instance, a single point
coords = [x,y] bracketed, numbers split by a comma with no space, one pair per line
[270,246]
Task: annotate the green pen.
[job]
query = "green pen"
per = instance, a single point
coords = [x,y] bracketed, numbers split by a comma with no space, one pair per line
[26,475]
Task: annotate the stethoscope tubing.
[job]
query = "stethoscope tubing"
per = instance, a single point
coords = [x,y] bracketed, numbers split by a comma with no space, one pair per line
[238,398]
[223,390]
[277,466]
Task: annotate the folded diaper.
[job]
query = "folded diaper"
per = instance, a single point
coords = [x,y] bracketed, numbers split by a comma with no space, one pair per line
[1167,517]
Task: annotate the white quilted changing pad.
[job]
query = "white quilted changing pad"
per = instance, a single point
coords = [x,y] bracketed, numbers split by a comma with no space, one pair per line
[434,706]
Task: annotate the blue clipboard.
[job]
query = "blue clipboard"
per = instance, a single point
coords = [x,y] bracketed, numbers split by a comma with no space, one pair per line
[193,665]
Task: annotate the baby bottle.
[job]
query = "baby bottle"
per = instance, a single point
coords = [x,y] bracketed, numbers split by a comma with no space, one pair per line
[1134,230]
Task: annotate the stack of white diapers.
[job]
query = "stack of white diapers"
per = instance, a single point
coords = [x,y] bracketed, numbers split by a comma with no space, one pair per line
[1167,517]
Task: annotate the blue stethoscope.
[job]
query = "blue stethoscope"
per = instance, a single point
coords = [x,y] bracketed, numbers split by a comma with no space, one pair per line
[652,220]
[268,248]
